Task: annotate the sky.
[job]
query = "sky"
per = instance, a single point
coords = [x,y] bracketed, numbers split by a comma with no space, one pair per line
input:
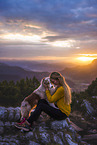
[48,30]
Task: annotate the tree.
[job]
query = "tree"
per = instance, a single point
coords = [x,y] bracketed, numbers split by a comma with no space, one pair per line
[11,93]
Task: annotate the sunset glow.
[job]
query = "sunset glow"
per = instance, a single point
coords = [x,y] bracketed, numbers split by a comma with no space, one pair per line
[85,59]
[48,30]
[39,58]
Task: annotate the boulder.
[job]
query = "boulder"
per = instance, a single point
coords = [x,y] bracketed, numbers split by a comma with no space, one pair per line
[88,108]
[49,132]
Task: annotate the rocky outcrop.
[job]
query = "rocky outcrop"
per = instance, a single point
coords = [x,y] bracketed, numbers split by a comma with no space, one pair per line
[89,110]
[50,132]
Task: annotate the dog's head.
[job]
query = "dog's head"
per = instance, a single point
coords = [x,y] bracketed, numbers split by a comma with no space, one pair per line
[46,81]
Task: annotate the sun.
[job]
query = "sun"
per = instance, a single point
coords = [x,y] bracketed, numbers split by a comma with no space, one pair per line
[85,59]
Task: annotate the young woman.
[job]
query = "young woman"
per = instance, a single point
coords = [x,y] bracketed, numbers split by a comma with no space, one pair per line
[61,99]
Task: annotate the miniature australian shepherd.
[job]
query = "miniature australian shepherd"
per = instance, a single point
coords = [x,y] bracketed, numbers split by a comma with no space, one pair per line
[30,101]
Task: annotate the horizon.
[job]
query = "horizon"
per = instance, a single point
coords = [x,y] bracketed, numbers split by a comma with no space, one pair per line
[71,64]
[49,31]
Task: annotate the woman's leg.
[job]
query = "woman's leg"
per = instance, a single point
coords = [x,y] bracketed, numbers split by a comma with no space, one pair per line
[45,107]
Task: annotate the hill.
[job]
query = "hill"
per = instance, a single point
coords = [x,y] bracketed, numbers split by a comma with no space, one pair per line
[37,66]
[16,73]
[85,73]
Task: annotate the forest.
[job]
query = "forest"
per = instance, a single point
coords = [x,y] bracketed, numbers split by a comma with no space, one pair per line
[11,93]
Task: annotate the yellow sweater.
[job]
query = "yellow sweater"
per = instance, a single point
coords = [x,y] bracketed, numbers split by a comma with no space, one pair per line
[58,97]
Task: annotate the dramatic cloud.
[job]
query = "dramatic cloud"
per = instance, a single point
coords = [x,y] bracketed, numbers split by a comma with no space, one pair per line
[48,26]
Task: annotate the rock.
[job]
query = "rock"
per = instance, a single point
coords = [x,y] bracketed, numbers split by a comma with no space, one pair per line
[90,137]
[1,130]
[33,143]
[1,123]
[17,113]
[58,140]
[29,135]
[76,127]
[56,125]
[11,113]
[48,132]
[69,140]
[3,113]
[45,137]
[88,107]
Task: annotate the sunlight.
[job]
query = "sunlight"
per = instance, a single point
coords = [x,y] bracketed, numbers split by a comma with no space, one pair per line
[84,59]
[37,58]
[88,55]
[68,43]
[19,37]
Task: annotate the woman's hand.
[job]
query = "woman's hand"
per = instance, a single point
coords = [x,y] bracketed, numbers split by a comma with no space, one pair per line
[46,86]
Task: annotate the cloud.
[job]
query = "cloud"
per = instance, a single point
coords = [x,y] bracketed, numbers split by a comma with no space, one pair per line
[52,21]
[54,15]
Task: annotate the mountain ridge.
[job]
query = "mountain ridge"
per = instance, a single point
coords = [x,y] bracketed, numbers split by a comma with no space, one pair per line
[16,73]
[38,65]
[85,73]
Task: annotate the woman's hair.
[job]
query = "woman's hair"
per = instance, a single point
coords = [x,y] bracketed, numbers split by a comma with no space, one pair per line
[67,90]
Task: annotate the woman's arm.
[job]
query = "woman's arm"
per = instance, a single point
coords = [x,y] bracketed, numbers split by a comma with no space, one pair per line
[56,96]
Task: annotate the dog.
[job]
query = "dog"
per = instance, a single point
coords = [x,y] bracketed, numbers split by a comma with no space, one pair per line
[30,101]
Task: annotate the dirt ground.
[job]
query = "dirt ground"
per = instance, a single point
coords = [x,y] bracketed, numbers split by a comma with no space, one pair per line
[88,125]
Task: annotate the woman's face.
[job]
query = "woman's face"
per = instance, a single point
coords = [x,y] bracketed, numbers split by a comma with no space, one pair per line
[55,81]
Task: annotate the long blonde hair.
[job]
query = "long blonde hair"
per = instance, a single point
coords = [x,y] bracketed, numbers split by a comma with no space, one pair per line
[67,90]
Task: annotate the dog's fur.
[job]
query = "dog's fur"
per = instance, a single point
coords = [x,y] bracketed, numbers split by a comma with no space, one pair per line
[29,102]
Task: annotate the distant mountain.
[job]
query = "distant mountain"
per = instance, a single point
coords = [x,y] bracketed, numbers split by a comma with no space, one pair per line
[16,73]
[37,66]
[86,73]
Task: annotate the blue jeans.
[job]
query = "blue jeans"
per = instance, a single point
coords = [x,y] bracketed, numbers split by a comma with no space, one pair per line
[45,107]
